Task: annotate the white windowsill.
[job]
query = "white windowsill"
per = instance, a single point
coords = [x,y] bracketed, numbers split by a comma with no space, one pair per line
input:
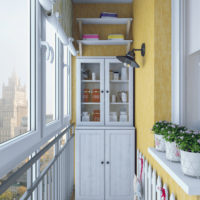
[189,184]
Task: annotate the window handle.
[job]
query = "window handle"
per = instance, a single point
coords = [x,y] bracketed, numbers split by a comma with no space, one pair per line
[102,91]
[107,162]
[102,162]
[49,51]
[107,91]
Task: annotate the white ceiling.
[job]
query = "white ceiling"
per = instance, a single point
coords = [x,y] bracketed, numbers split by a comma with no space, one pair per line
[102,1]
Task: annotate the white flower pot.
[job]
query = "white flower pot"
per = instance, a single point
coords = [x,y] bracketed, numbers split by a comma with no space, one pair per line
[172,152]
[159,142]
[190,163]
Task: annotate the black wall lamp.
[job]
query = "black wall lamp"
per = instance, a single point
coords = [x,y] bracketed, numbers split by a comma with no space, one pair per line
[129,59]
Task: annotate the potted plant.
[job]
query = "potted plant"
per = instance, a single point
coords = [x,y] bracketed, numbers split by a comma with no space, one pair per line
[189,144]
[158,130]
[172,132]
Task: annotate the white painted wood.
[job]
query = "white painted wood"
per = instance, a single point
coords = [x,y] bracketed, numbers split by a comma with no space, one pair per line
[104,20]
[172,197]
[138,155]
[100,62]
[143,175]
[146,179]
[130,109]
[154,185]
[119,172]
[189,184]
[166,191]
[104,42]
[149,183]
[89,173]
[105,128]
[102,1]
[159,186]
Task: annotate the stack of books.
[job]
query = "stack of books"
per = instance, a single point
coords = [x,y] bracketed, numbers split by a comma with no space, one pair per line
[115,37]
[90,37]
[108,15]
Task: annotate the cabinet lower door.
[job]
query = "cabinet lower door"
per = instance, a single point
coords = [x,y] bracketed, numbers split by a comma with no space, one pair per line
[119,164]
[89,165]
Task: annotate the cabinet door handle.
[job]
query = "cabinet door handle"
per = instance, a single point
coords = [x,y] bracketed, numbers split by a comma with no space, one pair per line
[102,91]
[107,162]
[107,91]
[102,162]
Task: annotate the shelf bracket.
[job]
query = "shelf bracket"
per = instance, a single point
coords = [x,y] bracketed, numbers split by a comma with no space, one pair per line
[128,25]
[80,29]
[128,47]
[80,48]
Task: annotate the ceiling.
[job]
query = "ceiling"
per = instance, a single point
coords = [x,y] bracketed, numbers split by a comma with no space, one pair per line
[102,1]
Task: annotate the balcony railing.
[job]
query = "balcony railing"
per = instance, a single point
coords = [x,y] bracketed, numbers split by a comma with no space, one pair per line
[56,181]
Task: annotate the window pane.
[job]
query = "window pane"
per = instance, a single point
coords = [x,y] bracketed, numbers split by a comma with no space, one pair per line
[14,69]
[65,57]
[50,77]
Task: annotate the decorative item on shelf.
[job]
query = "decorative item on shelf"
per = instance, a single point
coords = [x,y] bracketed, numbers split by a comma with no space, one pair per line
[93,76]
[158,134]
[189,144]
[124,97]
[90,37]
[113,98]
[124,73]
[96,115]
[85,117]
[116,76]
[96,95]
[129,59]
[86,95]
[123,117]
[115,37]
[85,74]
[108,15]
[113,116]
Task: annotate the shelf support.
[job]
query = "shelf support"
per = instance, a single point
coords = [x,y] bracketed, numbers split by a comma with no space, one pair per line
[80,48]
[128,47]
[80,29]
[128,25]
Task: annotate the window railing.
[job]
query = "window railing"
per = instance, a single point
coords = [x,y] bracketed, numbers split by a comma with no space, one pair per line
[56,181]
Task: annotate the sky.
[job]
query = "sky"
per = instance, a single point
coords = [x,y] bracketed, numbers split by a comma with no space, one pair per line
[14,40]
[15,47]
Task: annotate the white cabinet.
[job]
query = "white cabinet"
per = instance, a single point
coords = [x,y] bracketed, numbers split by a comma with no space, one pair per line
[104,92]
[89,165]
[104,164]
[119,168]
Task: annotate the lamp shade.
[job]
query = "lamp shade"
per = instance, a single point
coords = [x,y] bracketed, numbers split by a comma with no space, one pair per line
[128,60]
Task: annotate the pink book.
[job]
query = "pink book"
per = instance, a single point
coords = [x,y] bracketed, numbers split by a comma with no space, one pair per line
[90,36]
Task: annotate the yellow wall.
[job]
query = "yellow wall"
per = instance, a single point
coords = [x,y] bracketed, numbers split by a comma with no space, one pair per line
[152,25]
[93,11]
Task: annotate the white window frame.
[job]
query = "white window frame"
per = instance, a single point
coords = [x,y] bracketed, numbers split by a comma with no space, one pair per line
[67,118]
[178,61]
[53,127]
[16,150]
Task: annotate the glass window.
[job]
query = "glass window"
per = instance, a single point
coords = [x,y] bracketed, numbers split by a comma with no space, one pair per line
[50,76]
[66,70]
[15,69]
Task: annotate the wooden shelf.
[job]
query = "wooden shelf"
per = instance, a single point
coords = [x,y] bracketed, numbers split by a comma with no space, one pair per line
[119,81]
[90,103]
[189,184]
[91,81]
[103,42]
[119,103]
[126,21]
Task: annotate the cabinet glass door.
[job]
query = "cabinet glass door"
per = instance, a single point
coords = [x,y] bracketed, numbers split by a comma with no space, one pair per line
[91,92]
[119,93]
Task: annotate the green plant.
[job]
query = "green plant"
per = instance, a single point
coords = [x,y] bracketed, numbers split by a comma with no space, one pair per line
[172,132]
[189,141]
[159,126]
